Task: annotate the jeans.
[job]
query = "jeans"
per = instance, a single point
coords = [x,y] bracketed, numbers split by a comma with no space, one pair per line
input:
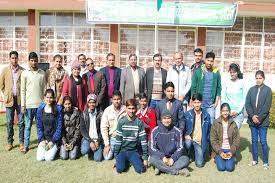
[72,154]
[42,154]
[262,133]
[224,164]
[181,163]
[86,149]
[28,119]
[153,103]
[112,148]
[133,157]
[239,120]
[10,111]
[199,156]
[212,112]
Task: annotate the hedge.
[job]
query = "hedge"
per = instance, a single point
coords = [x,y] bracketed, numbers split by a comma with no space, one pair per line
[272,112]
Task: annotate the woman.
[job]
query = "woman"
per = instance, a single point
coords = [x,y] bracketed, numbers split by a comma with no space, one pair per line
[76,87]
[257,104]
[130,133]
[147,115]
[234,93]
[225,140]
[71,130]
[49,127]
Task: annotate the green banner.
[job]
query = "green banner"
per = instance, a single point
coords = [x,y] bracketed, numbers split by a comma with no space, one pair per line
[160,12]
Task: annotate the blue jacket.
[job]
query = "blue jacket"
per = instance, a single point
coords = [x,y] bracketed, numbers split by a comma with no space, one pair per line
[59,122]
[206,127]
[166,142]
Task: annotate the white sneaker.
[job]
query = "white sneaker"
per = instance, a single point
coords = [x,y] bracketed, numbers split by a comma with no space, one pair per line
[266,166]
[253,163]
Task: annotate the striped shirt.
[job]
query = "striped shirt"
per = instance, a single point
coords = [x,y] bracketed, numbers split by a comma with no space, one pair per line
[225,142]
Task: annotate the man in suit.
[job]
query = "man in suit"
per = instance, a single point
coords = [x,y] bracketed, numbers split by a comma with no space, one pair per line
[132,80]
[155,79]
[10,79]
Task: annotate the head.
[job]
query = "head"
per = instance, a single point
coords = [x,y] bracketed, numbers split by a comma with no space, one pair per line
[198,54]
[225,111]
[133,60]
[90,64]
[169,90]
[143,100]
[67,104]
[116,99]
[209,60]
[166,118]
[157,58]
[260,77]
[111,59]
[235,72]
[82,60]
[33,60]
[131,108]
[197,101]
[178,58]
[49,97]
[58,61]
[75,68]
[14,58]
[91,100]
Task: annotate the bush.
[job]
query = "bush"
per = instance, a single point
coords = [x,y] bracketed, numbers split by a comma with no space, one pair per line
[272,112]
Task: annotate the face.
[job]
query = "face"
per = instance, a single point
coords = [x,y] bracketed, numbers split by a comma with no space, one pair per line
[67,105]
[49,98]
[166,121]
[209,62]
[82,60]
[91,104]
[131,111]
[90,65]
[111,61]
[197,105]
[33,63]
[233,74]
[133,61]
[76,72]
[14,60]
[169,92]
[259,80]
[143,103]
[198,56]
[116,100]
[157,62]
[58,62]
[178,59]
[225,112]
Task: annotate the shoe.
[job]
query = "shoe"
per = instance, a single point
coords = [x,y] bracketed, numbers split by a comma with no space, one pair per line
[9,147]
[266,166]
[253,163]
[184,172]
[157,172]
[25,150]
[21,147]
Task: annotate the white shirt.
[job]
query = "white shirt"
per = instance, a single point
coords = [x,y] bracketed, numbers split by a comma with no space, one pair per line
[93,130]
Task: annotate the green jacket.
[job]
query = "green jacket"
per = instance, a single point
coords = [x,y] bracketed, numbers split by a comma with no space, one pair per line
[198,82]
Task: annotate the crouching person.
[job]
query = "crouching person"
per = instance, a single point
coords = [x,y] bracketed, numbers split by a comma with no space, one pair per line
[71,130]
[166,148]
[49,127]
[91,144]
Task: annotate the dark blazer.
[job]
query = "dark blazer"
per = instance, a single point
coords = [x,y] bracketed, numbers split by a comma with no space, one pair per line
[149,76]
[104,70]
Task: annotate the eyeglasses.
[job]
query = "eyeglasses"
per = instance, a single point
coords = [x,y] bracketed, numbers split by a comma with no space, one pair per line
[90,64]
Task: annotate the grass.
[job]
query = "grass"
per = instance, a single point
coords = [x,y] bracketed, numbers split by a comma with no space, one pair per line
[17,167]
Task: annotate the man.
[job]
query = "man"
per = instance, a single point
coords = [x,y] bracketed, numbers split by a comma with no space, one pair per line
[206,81]
[10,79]
[109,122]
[96,83]
[166,148]
[33,84]
[197,128]
[112,76]
[82,61]
[173,105]
[198,54]
[132,81]
[55,77]
[155,79]
[180,75]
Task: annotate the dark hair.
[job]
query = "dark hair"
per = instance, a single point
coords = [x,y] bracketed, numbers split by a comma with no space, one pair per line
[131,102]
[14,53]
[117,93]
[210,55]
[33,55]
[198,50]
[143,96]
[110,54]
[50,91]
[157,55]
[80,56]
[197,96]
[226,105]
[169,84]
[132,55]
[261,73]
[67,98]
[236,68]
[57,56]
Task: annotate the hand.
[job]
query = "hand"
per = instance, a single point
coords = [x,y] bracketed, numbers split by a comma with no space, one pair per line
[145,163]
[97,145]
[43,143]
[106,150]
[170,162]
[223,155]
[255,119]
[181,98]
[234,114]
[191,104]
[92,146]
[23,109]
[50,144]
[187,137]
[165,161]
[229,155]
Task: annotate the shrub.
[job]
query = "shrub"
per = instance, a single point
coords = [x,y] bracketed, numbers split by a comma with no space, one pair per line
[272,112]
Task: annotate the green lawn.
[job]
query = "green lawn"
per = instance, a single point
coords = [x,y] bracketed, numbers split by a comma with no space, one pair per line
[17,167]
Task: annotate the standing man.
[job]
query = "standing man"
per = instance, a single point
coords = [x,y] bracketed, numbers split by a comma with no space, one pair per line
[206,81]
[198,54]
[155,79]
[33,84]
[10,86]
[96,83]
[180,75]
[82,61]
[132,80]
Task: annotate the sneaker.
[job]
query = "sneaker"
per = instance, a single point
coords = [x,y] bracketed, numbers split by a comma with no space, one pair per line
[9,147]
[184,172]
[25,150]
[21,147]
[266,166]
[253,163]
[157,172]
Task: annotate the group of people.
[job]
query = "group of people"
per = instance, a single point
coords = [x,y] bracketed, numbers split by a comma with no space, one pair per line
[155,117]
